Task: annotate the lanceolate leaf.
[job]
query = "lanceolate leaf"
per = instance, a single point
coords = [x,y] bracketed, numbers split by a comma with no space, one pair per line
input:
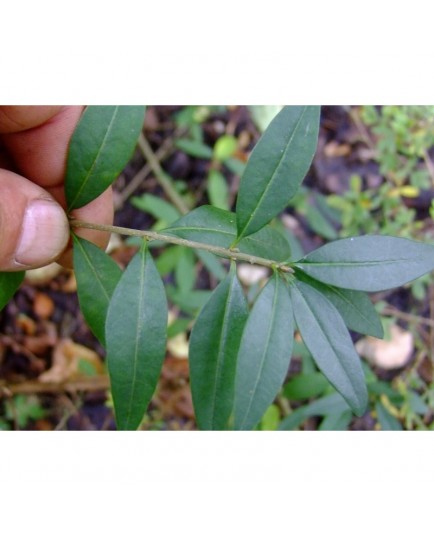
[217,227]
[369,263]
[276,167]
[354,306]
[157,207]
[97,275]
[264,354]
[100,148]
[332,404]
[326,337]
[214,344]
[9,283]
[136,333]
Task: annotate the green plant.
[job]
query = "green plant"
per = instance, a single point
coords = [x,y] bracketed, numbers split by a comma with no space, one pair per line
[21,410]
[239,355]
[405,134]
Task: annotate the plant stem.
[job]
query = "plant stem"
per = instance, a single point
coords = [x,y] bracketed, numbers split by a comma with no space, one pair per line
[162,177]
[163,152]
[152,235]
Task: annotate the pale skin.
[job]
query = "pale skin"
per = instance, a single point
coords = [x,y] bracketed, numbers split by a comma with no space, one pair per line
[34,228]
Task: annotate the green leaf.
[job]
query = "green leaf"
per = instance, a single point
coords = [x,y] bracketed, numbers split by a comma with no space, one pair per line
[332,404]
[97,275]
[136,332]
[212,263]
[9,283]
[305,386]
[157,207]
[264,354]
[217,189]
[417,404]
[354,306]
[235,166]
[276,167]
[214,343]
[387,421]
[271,419]
[383,388]
[336,422]
[326,337]
[225,147]
[180,325]
[211,225]
[185,271]
[319,224]
[167,261]
[188,302]
[100,148]
[369,263]
[194,148]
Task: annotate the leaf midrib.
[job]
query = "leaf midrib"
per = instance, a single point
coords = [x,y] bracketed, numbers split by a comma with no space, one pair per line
[219,352]
[138,333]
[264,353]
[353,264]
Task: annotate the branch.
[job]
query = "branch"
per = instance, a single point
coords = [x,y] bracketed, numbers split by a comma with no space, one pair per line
[152,235]
[162,177]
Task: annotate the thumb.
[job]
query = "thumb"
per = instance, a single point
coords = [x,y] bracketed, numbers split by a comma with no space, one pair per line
[34,228]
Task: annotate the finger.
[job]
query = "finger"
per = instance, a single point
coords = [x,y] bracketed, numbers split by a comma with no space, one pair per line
[18,118]
[34,229]
[40,153]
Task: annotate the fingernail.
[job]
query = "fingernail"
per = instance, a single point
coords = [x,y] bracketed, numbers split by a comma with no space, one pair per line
[44,235]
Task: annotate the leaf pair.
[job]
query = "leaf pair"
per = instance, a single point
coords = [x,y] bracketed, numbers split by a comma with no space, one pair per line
[238,361]
[128,313]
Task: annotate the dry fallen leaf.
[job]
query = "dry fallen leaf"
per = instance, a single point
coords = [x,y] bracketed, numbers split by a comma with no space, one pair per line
[387,354]
[334,149]
[26,324]
[67,358]
[70,285]
[43,305]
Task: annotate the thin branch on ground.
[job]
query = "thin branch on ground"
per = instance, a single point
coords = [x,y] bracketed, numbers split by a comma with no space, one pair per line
[162,177]
[161,154]
[92,383]
[393,311]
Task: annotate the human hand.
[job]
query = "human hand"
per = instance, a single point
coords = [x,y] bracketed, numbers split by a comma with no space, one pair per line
[34,229]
